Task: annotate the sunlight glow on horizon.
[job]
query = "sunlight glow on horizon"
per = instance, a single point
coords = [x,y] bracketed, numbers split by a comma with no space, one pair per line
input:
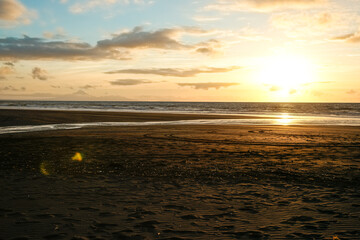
[136,51]
[286,72]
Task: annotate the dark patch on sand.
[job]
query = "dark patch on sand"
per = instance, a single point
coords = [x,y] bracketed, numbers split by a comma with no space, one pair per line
[181,182]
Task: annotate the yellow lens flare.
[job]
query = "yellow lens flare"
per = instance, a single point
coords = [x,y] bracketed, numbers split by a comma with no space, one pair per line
[77,157]
[43,169]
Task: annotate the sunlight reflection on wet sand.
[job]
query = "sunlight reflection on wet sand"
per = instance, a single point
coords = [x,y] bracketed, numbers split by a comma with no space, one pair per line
[285,119]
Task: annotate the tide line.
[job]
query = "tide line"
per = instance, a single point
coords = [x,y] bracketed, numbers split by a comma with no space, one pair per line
[280,121]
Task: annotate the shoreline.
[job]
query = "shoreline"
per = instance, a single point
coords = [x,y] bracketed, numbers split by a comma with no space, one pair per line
[19,121]
[40,117]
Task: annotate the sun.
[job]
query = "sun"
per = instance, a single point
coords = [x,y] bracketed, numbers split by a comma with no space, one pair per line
[285,73]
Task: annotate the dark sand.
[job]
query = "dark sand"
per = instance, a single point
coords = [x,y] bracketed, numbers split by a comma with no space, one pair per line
[181,182]
[10,117]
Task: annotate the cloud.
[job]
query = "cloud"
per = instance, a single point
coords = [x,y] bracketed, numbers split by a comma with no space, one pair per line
[13,89]
[11,10]
[292,91]
[318,82]
[4,70]
[208,85]
[314,22]
[166,38]
[317,93]
[12,13]
[264,5]
[80,93]
[58,34]
[205,50]
[137,38]
[351,91]
[7,69]
[77,96]
[84,6]
[9,64]
[210,47]
[129,82]
[176,72]
[351,38]
[38,73]
[205,19]
[87,86]
[274,88]
[28,48]
[280,4]
[305,21]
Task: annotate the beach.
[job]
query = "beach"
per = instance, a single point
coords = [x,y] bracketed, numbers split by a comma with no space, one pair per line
[17,117]
[177,182]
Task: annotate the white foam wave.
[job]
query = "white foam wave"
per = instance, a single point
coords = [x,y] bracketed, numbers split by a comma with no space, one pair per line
[279,121]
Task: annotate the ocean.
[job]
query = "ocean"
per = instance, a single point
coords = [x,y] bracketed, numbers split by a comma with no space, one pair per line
[251,108]
[347,114]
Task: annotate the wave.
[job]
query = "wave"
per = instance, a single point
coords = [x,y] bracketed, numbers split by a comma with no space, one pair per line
[295,109]
[277,121]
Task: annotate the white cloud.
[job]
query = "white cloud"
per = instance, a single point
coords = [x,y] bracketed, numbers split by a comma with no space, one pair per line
[264,5]
[205,19]
[304,23]
[129,82]
[59,33]
[85,6]
[314,22]
[207,85]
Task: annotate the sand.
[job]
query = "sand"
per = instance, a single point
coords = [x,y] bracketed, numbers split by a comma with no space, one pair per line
[13,117]
[181,182]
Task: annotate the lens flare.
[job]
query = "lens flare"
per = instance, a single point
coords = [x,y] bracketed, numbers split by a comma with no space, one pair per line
[77,157]
[43,169]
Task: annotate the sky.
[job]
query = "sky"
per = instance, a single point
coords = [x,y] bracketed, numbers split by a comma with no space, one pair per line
[169,50]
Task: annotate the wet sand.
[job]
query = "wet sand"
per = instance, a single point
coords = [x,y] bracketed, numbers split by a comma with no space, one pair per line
[13,117]
[181,182]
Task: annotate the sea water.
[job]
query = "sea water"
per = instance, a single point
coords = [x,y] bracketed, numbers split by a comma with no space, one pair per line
[346,114]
